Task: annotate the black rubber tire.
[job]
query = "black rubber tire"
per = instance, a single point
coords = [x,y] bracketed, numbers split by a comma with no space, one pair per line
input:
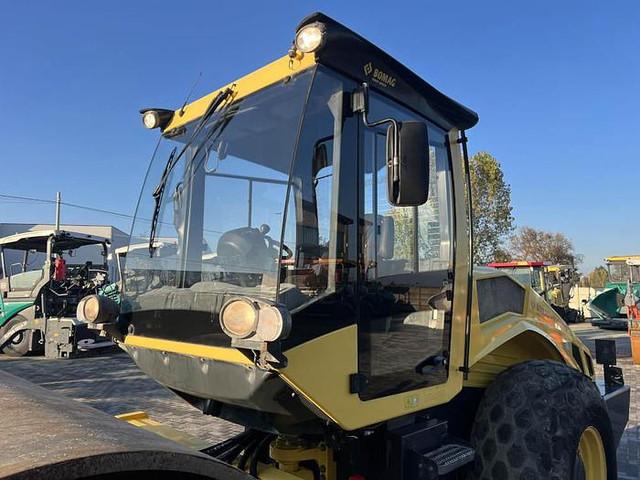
[529,422]
[18,346]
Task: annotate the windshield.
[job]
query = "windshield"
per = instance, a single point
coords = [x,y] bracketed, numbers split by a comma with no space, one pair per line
[222,215]
[26,268]
[621,272]
[523,274]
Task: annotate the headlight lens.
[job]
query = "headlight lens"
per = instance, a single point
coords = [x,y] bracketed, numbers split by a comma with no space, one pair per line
[90,309]
[151,119]
[238,318]
[97,309]
[271,325]
[309,38]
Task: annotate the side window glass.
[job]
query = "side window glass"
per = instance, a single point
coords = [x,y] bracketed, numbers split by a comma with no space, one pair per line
[434,217]
[499,295]
[407,258]
[388,230]
[25,271]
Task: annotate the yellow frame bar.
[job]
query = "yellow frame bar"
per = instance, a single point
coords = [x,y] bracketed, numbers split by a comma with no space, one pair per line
[223,354]
[257,80]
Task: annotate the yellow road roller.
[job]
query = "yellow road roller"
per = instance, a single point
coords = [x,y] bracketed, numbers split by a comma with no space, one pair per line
[321,294]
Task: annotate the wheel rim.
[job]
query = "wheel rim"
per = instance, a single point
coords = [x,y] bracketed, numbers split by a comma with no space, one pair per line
[591,460]
[17,339]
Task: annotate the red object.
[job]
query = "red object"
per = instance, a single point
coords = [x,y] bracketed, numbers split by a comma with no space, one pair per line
[357,476]
[59,270]
[517,264]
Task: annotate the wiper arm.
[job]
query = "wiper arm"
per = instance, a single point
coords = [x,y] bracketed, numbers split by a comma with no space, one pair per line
[173,160]
[157,196]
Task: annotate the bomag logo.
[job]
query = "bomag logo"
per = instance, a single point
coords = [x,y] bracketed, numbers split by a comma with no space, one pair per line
[378,76]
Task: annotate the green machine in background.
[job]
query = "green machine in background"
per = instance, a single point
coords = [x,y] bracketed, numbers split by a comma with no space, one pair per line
[38,307]
[608,306]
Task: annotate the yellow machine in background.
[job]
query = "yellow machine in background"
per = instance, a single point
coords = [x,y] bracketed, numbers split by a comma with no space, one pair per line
[321,293]
[552,282]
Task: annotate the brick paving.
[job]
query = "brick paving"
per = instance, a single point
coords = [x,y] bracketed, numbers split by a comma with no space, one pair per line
[112,383]
[629,448]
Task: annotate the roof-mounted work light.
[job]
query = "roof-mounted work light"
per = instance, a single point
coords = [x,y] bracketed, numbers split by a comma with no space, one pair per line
[156,117]
[310,37]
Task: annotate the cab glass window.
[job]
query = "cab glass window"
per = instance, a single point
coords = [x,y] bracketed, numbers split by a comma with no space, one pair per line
[405,308]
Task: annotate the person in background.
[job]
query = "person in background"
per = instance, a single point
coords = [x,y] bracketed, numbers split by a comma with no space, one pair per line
[59,268]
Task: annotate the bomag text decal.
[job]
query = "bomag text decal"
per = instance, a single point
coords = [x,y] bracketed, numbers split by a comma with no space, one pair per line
[378,76]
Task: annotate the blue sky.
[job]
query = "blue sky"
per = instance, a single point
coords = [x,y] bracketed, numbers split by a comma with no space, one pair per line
[556,85]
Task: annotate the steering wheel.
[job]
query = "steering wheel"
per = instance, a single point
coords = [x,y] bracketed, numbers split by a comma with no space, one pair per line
[265,229]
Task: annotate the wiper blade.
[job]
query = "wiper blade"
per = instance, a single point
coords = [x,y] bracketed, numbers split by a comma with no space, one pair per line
[173,160]
[157,196]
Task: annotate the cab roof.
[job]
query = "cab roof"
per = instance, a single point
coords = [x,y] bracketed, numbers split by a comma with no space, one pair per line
[517,263]
[37,240]
[622,258]
[349,53]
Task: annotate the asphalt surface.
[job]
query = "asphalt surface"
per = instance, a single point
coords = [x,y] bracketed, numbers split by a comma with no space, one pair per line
[112,383]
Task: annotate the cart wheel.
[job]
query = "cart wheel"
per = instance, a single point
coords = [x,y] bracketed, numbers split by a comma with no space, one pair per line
[543,420]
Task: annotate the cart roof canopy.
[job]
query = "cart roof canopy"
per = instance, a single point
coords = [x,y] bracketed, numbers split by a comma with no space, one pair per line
[37,240]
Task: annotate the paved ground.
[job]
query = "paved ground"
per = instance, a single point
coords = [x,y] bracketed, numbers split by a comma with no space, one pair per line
[112,383]
[629,449]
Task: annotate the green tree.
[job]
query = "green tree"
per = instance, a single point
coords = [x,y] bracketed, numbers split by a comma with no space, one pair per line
[492,219]
[537,245]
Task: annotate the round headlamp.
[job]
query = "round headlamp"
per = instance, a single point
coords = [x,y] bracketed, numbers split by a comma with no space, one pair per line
[97,309]
[151,119]
[156,117]
[310,38]
[89,309]
[239,318]
[273,324]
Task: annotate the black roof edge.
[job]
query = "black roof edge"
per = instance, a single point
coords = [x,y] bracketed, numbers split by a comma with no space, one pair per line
[350,53]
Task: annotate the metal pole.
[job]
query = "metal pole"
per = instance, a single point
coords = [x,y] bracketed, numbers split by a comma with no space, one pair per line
[58,202]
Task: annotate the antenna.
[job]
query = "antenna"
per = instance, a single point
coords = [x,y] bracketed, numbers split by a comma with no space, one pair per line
[186,100]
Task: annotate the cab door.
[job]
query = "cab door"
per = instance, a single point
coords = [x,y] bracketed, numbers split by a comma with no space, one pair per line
[406,265]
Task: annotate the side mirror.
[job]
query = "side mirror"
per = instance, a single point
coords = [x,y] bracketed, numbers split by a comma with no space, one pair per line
[407,164]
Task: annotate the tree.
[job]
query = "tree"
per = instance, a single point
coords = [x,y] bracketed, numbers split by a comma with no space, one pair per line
[598,277]
[492,219]
[537,245]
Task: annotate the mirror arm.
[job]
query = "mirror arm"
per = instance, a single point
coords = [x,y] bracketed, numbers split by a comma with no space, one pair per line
[365,110]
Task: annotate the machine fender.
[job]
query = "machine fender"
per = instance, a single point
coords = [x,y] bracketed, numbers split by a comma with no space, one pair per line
[533,338]
[521,343]
[10,309]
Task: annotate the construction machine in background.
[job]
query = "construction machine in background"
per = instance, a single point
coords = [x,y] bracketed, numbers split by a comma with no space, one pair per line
[40,291]
[609,306]
[338,317]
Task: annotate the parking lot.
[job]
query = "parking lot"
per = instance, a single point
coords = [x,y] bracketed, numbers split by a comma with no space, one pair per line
[112,383]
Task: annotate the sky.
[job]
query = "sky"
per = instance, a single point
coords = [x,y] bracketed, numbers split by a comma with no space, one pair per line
[556,86]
